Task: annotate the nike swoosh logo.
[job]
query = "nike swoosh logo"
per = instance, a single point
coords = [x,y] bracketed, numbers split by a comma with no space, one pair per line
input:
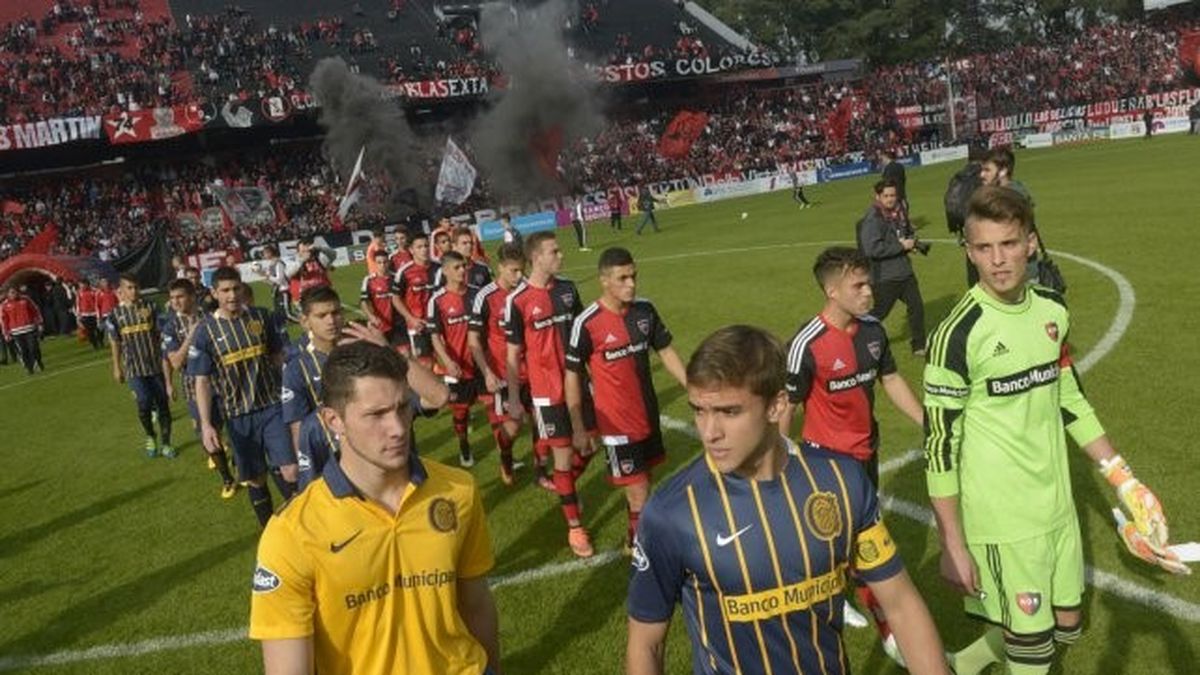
[724,541]
[334,548]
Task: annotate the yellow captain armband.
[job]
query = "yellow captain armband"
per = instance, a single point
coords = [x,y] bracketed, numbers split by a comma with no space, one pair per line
[873,547]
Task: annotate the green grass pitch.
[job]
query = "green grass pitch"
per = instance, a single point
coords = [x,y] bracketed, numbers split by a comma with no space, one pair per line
[101,547]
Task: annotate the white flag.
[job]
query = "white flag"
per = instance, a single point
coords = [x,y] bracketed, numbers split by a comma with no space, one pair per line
[353,186]
[456,180]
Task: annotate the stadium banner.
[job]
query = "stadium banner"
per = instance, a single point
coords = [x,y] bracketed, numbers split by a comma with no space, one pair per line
[840,171]
[591,211]
[951,154]
[644,71]
[1129,109]
[246,206]
[1042,140]
[1172,125]
[48,133]
[712,193]
[1122,130]
[1072,136]
[920,116]
[533,222]
[154,124]
[438,89]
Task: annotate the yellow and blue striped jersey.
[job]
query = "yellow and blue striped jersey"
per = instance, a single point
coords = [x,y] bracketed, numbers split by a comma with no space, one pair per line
[376,592]
[760,566]
[134,327]
[239,354]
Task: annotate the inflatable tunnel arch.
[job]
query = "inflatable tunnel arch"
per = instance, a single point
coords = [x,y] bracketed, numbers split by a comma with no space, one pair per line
[26,267]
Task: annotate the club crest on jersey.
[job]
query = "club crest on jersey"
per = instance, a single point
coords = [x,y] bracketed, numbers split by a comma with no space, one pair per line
[626,466]
[1029,603]
[822,515]
[1052,330]
[265,580]
[876,348]
[255,326]
[644,326]
[640,562]
[442,515]
[568,298]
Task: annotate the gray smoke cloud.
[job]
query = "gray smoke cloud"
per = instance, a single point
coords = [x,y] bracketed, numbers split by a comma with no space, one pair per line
[548,95]
[355,113]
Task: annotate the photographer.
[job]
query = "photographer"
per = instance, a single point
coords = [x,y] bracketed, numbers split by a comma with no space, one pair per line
[887,239]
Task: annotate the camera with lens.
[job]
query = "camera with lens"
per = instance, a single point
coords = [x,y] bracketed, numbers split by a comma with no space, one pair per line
[922,247]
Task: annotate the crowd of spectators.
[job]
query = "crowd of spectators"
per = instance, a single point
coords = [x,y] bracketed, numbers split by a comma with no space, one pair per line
[1103,63]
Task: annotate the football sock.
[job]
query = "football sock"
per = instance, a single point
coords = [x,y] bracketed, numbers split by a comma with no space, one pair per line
[286,488]
[867,599]
[260,500]
[505,443]
[164,424]
[144,416]
[633,523]
[461,417]
[222,463]
[564,484]
[1029,654]
[980,654]
[579,464]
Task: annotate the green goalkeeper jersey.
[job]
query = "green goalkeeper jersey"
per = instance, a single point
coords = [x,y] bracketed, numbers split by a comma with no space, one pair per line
[1000,389]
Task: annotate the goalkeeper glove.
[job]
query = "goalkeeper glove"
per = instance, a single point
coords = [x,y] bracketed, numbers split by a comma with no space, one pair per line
[1146,536]
[1137,545]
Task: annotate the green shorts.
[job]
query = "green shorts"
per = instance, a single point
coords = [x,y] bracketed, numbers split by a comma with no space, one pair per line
[1027,580]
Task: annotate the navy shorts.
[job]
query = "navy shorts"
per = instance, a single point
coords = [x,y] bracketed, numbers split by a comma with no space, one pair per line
[214,415]
[150,392]
[260,440]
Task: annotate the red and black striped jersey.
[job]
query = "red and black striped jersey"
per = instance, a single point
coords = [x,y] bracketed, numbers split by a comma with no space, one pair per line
[487,319]
[312,274]
[832,373]
[539,320]
[414,284]
[377,291]
[614,349]
[448,315]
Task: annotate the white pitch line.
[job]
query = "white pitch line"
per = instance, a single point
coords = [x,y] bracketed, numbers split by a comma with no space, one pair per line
[219,637]
[34,379]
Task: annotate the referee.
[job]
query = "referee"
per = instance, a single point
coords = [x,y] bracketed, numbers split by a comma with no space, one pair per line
[755,537]
[380,565]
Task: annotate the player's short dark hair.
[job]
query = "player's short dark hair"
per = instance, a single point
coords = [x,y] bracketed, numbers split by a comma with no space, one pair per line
[307,240]
[226,273]
[318,295]
[130,278]
[890,154]
[739,356]
[510,252]
[614,256]
[380,253]
[350,362]
[999,204]
[461,231]
[181,285]
[505,216]
[1003,158]
[417,236]
[377,232]
[533,243]
[884,184]
[838,260]
[270,248]
[452,256]
[190,270]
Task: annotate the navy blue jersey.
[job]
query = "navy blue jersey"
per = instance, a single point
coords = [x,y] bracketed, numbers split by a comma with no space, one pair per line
[239,355]
[175,328]
[134,328]
[760,566]
[301,393]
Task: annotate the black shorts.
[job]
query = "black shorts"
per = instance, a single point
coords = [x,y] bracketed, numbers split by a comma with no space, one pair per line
[554,421]
[497,402]
[420,343]
[630,463]
[462,392]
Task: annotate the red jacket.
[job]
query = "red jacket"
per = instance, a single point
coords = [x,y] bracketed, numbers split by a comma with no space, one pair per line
[105,302]
[85,302]
[19,316]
